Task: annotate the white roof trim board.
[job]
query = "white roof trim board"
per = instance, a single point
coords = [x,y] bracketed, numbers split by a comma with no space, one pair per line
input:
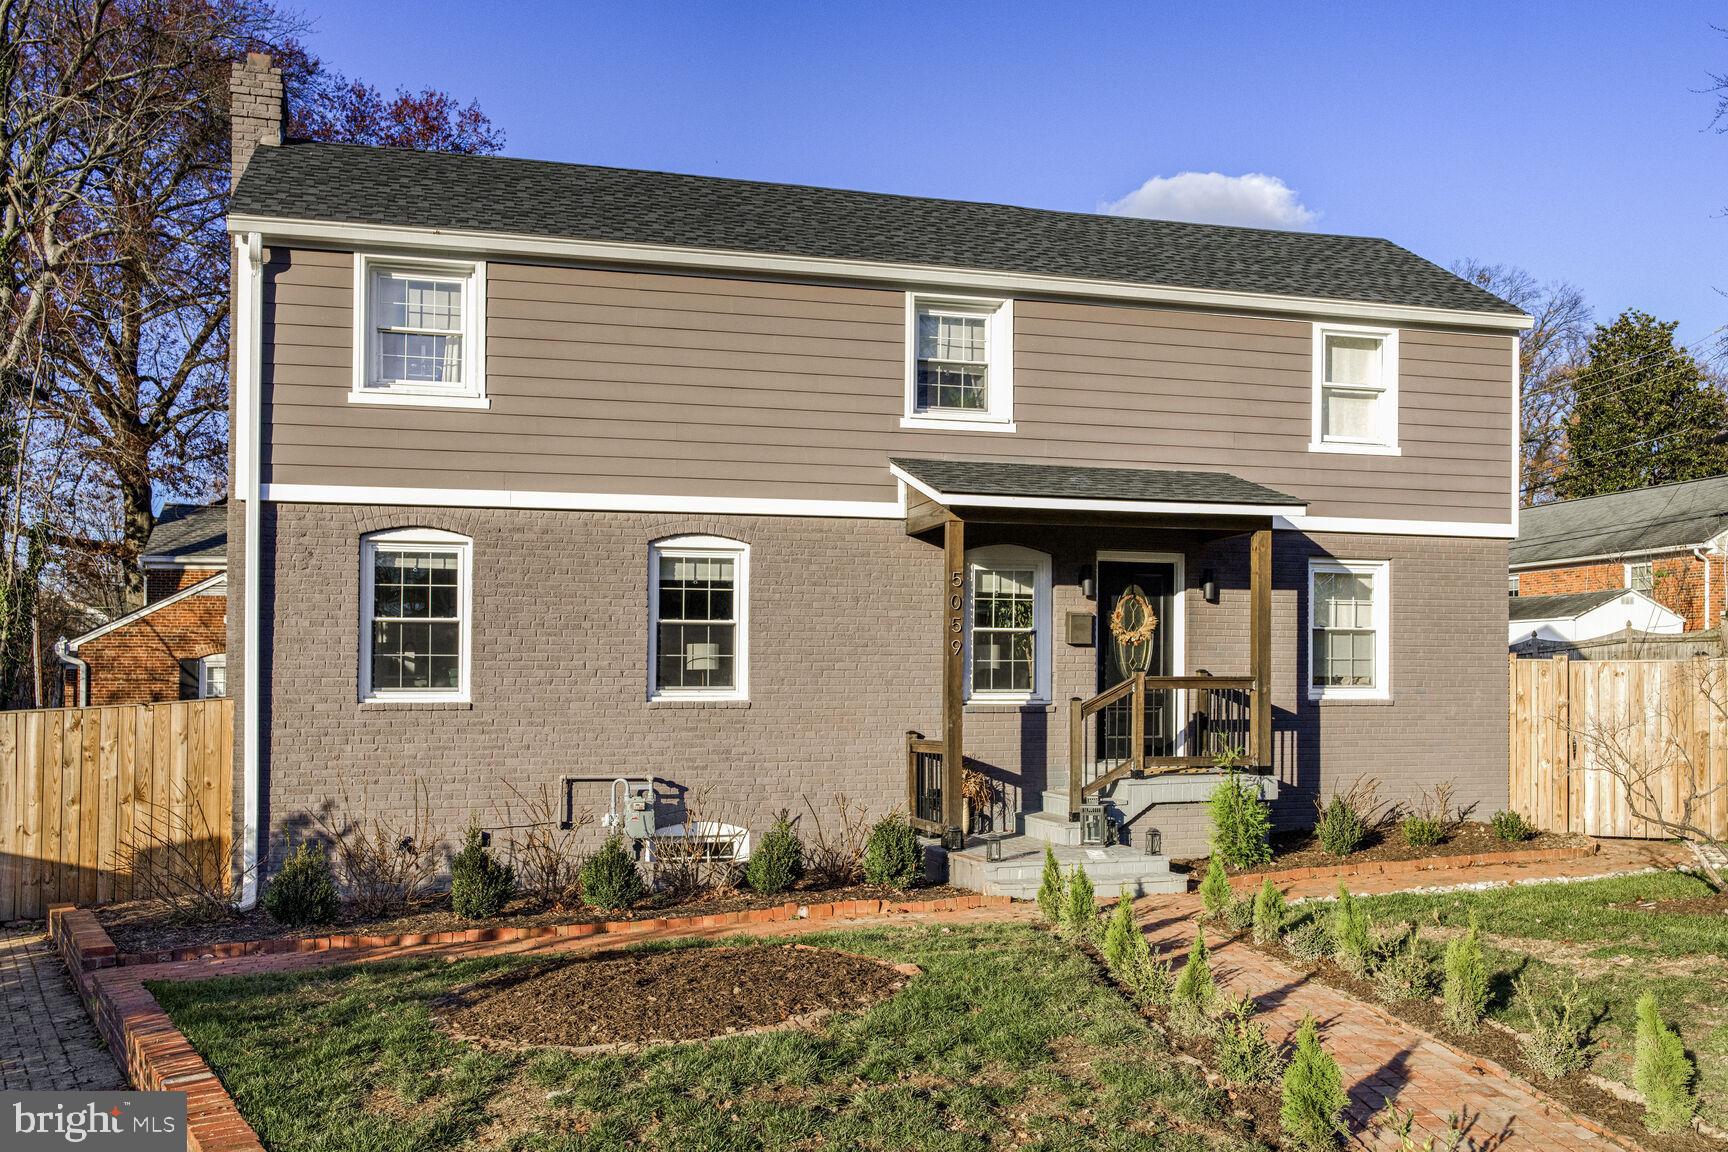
[203,587]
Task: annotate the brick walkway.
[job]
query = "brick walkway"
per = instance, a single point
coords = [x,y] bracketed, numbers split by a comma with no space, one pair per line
[48,1043]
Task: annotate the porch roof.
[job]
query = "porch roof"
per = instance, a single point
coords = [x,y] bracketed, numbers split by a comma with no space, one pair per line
[1005,484]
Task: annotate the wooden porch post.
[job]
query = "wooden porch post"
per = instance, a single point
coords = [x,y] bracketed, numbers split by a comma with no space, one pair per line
[1260,644]
[953,665]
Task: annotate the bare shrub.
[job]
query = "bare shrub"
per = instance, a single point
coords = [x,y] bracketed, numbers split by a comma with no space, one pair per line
[384,861]
[1349,815]
[546,855]
[179,860]
[1433,817]
[834,850]
[703,859]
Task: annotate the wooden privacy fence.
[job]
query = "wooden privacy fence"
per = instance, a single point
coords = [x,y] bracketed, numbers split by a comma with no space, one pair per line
[1581,729]
[93,799]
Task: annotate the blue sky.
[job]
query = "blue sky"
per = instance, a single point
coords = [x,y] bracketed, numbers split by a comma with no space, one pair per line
[1568,138]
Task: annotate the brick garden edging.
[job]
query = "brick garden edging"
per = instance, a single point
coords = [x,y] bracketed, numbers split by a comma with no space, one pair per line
[279,945]
[1249,880]
[156,1056]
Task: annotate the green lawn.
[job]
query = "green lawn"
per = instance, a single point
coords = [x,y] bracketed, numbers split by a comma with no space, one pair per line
[1008,1039]
[1617,953]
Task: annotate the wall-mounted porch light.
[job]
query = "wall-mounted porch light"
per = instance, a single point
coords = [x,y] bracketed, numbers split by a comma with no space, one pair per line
[1087,588]
[1209,586]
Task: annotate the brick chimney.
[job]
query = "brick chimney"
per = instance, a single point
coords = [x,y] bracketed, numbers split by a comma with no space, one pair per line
[254,109]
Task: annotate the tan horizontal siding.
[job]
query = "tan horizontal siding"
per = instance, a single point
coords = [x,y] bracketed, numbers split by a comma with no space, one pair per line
[618,382]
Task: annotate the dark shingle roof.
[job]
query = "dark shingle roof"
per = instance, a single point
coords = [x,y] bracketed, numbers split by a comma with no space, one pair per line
[1065,482]
[1562,605]
[1669,516]
[189,530]
[347,183]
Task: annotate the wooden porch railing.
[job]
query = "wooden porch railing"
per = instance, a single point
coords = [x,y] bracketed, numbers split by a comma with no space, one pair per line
[924,784]
[1202,718]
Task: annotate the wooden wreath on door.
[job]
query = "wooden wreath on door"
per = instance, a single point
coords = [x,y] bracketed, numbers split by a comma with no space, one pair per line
[1132,625]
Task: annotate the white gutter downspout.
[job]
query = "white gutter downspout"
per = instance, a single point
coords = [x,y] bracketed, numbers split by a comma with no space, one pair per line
[248,290]
[1698,554]
[67,656]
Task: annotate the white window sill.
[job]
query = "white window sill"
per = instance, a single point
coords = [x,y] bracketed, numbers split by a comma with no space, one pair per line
[946,424]
[1369,696]
[384,703]
[698,702]
[986,706]
[418,399]
[1355,449]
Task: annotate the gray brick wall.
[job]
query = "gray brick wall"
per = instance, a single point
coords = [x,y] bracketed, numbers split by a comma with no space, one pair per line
[844,644]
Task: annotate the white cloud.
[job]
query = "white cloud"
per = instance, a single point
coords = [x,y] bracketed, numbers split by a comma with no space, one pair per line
[1253,199]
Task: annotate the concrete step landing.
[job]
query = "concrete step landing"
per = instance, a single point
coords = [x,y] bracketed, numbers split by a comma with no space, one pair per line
[1021,868]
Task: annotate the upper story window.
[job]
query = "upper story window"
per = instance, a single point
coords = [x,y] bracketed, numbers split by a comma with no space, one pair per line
[414,608]
[1355,389]
[1349,638]
[699,607]
[1641,577]
[1008,646]
[420,332]
[959,364]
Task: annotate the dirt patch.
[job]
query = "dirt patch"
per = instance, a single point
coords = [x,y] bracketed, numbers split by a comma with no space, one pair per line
[1582,958]
[656,997]
[1716,905]
[144,926]
[1471,838]
[1500,1044]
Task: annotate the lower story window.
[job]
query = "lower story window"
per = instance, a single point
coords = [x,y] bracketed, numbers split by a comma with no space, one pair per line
[699,608]
[1008,620]
[1348,645]
[204,677]
[416,612]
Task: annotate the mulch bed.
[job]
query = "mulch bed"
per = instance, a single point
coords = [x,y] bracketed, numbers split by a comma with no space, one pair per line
[143,926]
[1500,1044]
[1471,838]
[628,999]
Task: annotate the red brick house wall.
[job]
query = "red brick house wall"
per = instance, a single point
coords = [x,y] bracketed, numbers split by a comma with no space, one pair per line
[140,662]
[1680,584]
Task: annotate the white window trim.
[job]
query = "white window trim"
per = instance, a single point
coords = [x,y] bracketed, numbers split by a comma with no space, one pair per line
[999,335]
[1631,564]
[701,546]
[1387,444]
[410,537]
[472,393]
[1014,556]
[1381,570]
[205,664]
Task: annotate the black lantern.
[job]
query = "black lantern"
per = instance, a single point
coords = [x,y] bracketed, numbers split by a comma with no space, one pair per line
[1209,586]
[953,838]
[1154,842]
[1094,826]
[993,848]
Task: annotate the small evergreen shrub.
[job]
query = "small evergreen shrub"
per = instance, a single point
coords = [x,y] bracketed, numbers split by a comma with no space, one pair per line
[1662,1072]
[1241,822]
[1352,939]
[1119,935]
[1466,987]
[1312,1109]
[304,891]
[1422,832]
[1310,941]
[778,860]
[480,885]
[610,880]
[1557,1029]
[1051,891]
[1343,825]
[1195,991]
[1511,827]
[1240,1048]
[1215,889]
[1080,915]
[1403,972]
[1239,914]
[1148,974]
[893,858]
[1269,911]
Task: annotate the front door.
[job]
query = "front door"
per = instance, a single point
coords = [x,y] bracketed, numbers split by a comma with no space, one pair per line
[1136,617]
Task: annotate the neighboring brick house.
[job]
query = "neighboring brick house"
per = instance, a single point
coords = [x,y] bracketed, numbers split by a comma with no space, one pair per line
[1666,542]
[175,646]
[548,472]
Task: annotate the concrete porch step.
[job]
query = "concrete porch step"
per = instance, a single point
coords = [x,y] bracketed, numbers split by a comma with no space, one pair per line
[1021,869]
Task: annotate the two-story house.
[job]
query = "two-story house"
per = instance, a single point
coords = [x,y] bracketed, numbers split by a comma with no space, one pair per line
[548,474]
